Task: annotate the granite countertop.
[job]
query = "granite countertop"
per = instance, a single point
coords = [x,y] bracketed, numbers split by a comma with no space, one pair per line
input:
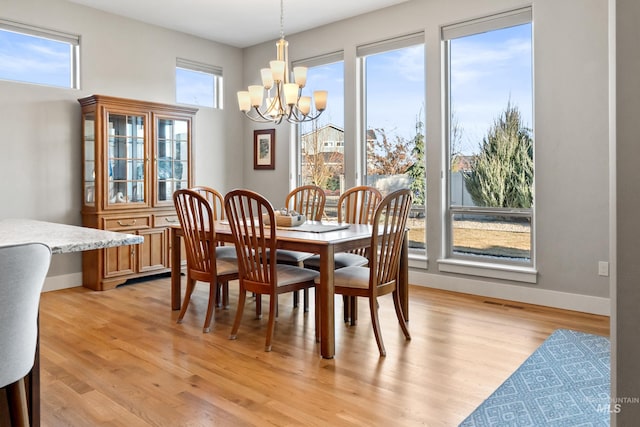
[62,238]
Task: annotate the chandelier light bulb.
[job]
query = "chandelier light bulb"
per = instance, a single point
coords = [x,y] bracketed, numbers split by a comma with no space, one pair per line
[320,97]
[244,100]
[304,105]
[300,76]
[277,68]
[256,93]
[267,78]
[291,93]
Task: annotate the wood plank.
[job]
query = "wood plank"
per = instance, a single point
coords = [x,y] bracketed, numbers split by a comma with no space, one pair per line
[119,358]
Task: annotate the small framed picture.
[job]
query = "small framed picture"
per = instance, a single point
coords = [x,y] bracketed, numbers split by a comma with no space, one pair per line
[264,149]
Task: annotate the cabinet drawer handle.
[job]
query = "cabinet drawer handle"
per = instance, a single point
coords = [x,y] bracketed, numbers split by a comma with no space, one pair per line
[172,220]
[121,224]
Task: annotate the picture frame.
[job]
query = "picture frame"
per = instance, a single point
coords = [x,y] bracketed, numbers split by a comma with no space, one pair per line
[264,149]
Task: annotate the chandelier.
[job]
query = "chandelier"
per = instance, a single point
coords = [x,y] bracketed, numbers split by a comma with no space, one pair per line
[278,98]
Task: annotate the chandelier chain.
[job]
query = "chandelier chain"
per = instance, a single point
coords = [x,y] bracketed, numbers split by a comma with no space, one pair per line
[281,19]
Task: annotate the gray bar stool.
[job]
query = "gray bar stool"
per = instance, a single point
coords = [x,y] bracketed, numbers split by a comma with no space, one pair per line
[23,269]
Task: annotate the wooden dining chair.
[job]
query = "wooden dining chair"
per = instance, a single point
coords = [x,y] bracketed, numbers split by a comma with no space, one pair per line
[203,264]
[357,205]
[23,269]
[380,277]
[214,197]
[227,252]
[247,212]
[308,200]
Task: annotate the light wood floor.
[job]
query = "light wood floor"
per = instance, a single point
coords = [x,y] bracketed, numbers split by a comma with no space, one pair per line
[118,358]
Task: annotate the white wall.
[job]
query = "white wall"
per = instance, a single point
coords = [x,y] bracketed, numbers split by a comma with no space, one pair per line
[571,137]
[40,165]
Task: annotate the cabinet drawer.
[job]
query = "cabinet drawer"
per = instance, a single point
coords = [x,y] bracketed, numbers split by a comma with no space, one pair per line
[127,222]
[165,220]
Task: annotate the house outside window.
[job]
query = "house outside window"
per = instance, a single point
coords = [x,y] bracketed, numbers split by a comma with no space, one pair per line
[320,143]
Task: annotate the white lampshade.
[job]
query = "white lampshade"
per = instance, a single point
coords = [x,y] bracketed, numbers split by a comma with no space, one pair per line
[304,105]
[244,100]
[320,97]
[300,76]
[256,93]
[277,69]
[267,78]
[291,93]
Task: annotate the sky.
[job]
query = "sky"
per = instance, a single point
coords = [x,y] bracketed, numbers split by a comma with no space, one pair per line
[487,71]
[34,60]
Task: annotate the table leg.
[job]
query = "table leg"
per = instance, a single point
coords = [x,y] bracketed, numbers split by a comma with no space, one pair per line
[327,310]
[403,277]
[176,266]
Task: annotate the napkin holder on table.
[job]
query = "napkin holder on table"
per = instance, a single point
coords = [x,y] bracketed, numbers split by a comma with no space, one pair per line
[286,220]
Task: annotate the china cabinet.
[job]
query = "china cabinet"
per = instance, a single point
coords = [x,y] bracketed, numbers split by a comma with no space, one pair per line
[135,155]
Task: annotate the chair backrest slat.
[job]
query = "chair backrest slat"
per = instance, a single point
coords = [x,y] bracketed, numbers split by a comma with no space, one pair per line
[357,205]
[391,215]
[215,199]
[248,213]
[197,221]
[307,200]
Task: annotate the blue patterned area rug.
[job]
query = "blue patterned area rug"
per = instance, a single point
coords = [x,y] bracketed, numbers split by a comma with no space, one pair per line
[565,382]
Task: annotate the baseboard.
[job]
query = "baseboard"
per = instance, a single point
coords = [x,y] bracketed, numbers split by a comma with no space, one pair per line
[63,281]
[525,294]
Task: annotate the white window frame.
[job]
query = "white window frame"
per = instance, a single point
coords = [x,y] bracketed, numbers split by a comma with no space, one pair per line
[484,266]
[362,51]
[71,39]
[212,70]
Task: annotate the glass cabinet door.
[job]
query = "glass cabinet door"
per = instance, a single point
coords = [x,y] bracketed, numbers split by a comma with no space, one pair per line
[89,171]
[172,168]
[126,165]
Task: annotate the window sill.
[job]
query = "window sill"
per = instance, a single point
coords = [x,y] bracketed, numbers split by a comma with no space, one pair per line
[494,271]
[418,260]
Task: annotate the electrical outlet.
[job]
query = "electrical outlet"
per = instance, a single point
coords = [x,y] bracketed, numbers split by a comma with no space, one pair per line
[603,268]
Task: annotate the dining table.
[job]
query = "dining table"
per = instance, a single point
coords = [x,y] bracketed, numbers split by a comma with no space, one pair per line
[61,238]
[322,238]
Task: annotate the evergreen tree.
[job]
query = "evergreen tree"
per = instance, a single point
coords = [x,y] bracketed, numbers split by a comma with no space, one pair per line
[417,170]
[502,174]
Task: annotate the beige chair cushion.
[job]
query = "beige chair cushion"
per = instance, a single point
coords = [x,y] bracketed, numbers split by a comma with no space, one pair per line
[288,274]
[226,266]
[291,257]
[341,260]
[350,277]
[228,252]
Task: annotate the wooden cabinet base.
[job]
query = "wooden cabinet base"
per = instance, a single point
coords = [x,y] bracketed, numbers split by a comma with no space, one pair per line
[108,284]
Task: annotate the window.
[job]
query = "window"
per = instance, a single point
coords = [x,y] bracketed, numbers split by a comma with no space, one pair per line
[489,217]
[320,151]
[37,55]
[393,90]
[198,84]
